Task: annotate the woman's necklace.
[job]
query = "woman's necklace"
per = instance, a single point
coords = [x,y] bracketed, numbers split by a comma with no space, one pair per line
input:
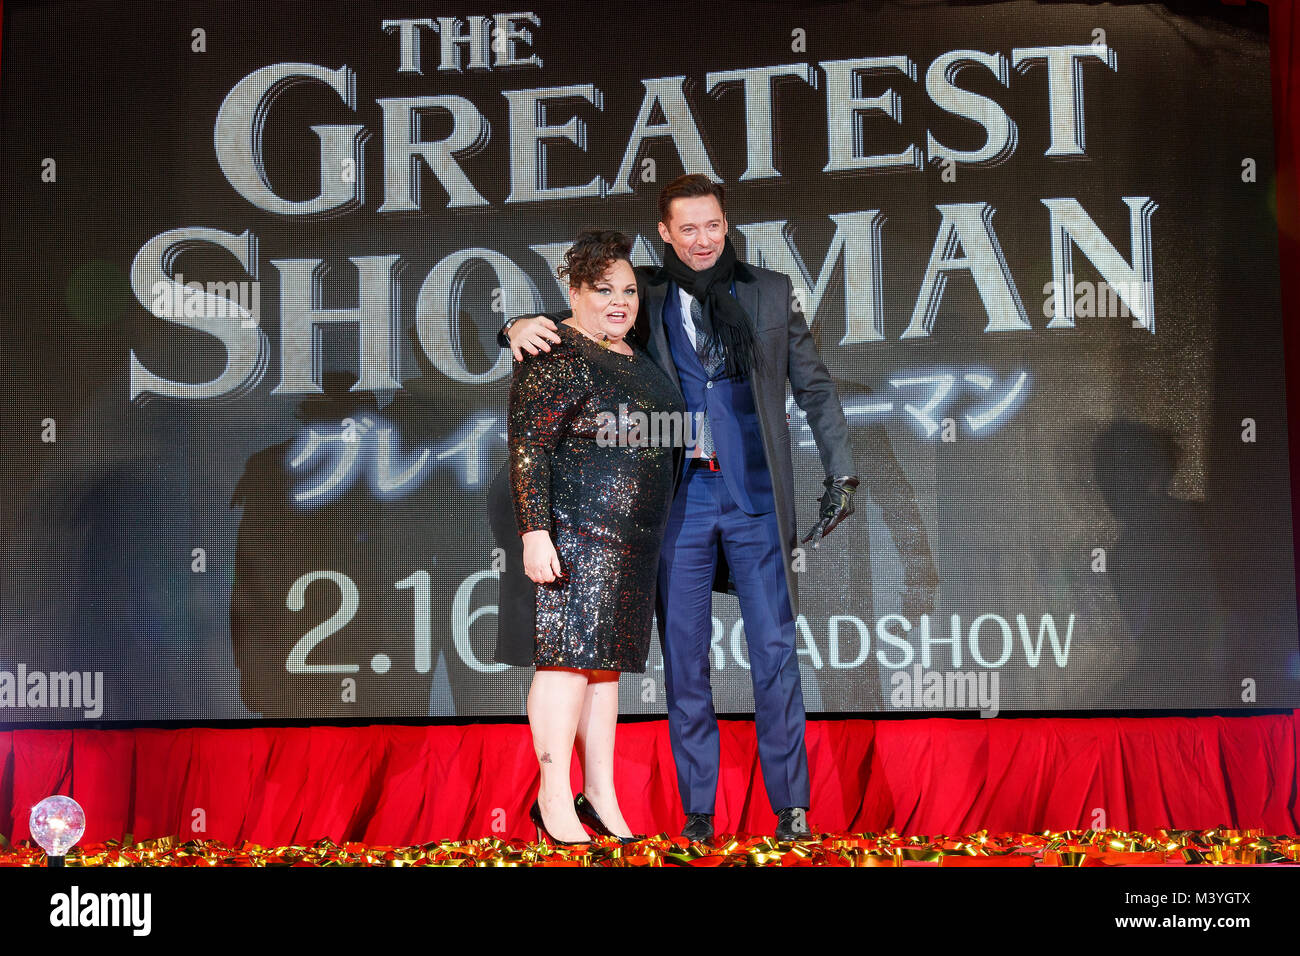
[603,341]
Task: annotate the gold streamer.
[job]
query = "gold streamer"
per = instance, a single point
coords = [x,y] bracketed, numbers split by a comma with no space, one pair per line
[1217,846]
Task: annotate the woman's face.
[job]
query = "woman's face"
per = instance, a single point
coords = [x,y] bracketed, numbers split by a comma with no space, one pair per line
[610,304]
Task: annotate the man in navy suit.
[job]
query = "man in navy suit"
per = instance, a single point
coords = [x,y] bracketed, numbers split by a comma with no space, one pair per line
[729,335]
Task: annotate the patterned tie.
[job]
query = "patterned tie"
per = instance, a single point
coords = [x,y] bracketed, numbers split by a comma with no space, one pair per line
[704,440]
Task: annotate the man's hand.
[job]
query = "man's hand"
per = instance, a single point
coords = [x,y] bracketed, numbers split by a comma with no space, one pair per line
[836,505]
[541,563]
[531,335]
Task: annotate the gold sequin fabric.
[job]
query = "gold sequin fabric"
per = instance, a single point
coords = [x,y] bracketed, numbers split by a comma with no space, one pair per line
[605,500]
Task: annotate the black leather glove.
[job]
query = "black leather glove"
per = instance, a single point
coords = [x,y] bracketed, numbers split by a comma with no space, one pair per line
[836,505]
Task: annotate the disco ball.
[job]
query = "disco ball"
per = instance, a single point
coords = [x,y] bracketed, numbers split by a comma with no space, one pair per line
[57,823]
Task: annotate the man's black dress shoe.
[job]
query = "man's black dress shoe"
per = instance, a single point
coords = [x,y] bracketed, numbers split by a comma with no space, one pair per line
[699,827]
[792,824]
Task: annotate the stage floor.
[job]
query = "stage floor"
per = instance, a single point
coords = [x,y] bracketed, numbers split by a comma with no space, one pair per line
[1103,848]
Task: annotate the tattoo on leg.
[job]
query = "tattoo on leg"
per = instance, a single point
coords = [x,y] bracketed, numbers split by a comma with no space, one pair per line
[545,758]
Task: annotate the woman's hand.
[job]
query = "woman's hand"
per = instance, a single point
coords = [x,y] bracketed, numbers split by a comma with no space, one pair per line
[541,563]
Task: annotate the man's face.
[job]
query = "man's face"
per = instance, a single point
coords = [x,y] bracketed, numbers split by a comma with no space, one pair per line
[696,229]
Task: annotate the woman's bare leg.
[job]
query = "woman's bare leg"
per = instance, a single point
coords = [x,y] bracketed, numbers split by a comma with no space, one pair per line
[595,736]
[555,704]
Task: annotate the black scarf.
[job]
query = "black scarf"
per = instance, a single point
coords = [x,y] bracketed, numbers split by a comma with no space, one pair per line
[728,330]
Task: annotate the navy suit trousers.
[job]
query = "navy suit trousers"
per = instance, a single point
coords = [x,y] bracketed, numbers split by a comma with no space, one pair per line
[704,513]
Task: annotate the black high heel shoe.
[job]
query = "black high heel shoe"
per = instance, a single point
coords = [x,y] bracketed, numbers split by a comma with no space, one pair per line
[535,814]
[587,814]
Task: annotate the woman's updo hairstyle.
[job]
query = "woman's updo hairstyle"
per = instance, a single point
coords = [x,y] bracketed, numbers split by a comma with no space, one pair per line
[591,255]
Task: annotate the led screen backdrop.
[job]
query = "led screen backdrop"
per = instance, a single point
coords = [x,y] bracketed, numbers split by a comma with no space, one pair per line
[256,255]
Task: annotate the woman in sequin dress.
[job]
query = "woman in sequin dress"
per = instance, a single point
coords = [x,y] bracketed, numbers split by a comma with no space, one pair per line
[591,507]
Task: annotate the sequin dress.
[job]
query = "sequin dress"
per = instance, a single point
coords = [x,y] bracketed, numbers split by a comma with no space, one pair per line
[605,501]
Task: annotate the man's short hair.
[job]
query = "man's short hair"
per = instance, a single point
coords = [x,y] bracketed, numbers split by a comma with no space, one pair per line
[688,187]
